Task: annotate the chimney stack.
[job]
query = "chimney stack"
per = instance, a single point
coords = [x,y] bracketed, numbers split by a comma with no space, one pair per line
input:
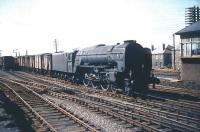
[163,46]
[130,41]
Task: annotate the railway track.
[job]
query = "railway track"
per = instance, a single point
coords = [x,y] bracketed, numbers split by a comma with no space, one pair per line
[156,120]
[182,91]
[177,106]
[164,114]
[52,116]
[158,88]
[166,72]
[33,123]
[134,122]
[158,111]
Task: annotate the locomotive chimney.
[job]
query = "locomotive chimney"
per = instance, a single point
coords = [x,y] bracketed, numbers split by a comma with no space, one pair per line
[130,41]
[164,46]
[152,47]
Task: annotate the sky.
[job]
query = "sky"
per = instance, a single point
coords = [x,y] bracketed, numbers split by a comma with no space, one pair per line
[33,25]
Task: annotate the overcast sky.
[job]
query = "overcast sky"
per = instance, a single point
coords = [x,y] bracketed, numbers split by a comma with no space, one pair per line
[34,24]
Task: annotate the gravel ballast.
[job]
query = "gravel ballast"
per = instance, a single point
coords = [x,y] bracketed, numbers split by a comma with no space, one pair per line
[105,122]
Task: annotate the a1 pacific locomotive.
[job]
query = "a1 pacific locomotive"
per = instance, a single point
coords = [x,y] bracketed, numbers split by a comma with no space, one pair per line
[126,67]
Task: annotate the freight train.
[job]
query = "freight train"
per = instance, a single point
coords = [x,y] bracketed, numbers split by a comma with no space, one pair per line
[125,67]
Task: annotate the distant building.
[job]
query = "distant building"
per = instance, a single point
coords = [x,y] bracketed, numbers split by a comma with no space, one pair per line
[162,57]
[190,52]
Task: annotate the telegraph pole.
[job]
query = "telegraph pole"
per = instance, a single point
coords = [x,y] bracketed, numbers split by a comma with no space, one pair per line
[56,45]
[15,51]
[174,58]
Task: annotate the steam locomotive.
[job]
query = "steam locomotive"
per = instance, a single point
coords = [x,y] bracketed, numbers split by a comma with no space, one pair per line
[125,67]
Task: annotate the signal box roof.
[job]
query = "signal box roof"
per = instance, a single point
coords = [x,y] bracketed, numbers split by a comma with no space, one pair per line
[193,28]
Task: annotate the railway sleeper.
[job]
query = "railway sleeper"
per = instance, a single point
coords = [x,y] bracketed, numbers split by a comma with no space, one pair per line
[62,112]
[169,125]
[166,108]
[114,114]
[159,112]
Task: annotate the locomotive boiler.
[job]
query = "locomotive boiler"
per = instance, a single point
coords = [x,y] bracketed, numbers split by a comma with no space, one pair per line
[126,66]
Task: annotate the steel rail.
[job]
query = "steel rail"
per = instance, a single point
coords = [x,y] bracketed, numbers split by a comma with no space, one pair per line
[30,108]
[153,117]
[59,83]
[76,119]
[111,112]
[168,102]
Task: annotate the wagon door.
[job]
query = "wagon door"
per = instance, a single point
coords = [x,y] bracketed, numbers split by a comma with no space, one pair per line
[32,62]
[69,63]
[47,62]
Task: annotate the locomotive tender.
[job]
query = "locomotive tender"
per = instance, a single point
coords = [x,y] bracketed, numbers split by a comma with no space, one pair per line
[125,66]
